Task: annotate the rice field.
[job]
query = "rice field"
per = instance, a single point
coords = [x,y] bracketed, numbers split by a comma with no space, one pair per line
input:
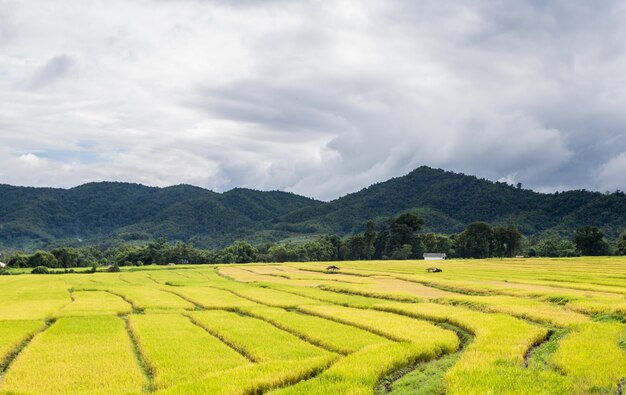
[513,326]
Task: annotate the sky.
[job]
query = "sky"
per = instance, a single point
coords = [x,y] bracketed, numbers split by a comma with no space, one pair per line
[319,98]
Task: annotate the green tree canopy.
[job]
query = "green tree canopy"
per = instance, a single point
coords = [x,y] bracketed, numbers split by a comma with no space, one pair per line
[589,240]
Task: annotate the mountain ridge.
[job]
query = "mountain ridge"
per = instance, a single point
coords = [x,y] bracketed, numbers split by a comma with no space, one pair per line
[114,212]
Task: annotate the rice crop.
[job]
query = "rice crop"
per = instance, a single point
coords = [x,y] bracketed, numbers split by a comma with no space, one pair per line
[592,357]
[257,339]
[329,334]
[178,350]
[537,326]
[77,355]
[95,303]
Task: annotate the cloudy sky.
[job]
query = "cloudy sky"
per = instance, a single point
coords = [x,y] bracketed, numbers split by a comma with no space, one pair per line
[316,97]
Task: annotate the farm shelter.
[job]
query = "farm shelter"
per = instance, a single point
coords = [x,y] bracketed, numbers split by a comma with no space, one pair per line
[2,265]
[434,256]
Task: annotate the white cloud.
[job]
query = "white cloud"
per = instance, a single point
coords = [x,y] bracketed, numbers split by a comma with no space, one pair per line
[320,98]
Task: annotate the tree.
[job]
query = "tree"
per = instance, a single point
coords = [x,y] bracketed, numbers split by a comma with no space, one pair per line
[355,248]
[67,257]
[42,258]
[402,232]
[554,248]
[590,240]
[507,241]
[240,252]
[369,240]
[278,253]
[19,259]
[621,244]
[403,253]
[476,241]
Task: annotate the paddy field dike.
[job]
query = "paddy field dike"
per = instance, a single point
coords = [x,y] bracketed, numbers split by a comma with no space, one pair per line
[511,326]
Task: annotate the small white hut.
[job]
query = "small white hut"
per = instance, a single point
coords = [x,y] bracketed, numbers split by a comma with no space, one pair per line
[434,256]
[3,265]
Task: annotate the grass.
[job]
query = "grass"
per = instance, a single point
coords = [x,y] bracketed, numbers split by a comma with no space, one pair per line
[269,296]
[494,362]
[30,297]
[359,373]
[597,367]
[178,350]
[392,326]
[210,298]
[340,338]
[78,355]
[13,334]
[255,379]
[150,297]
[538,326]
[95,303]
[426,379]
[256,338]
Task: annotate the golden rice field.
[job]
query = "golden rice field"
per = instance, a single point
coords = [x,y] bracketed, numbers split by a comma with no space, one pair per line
[516,326]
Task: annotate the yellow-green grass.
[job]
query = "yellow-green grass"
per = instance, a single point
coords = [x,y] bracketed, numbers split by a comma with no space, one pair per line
[328,334]
[146,297]
[268,296]
[13,334]
[77,355]
[254,379]
[495,277]
[493,362]
[508,305]
[530,309]
[257,339]
[277,275]
[359,373]
[178,350]
[318,294]
[393,326]
[95,303]
[210,298]
[592,358]
[29,297]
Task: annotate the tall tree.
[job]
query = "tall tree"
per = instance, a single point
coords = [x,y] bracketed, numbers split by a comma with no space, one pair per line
[621,244]
[402,232]
[369,240]
[67,257]
[507,241]
[589,240]
[476,241]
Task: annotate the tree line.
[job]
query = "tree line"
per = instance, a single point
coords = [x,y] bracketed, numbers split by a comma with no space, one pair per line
[397,238]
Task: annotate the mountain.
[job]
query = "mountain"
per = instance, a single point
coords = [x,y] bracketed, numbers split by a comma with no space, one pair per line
[113,212]
[449,201]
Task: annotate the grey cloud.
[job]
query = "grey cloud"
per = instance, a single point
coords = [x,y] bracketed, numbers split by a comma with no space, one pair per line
[55,69]
[319,98]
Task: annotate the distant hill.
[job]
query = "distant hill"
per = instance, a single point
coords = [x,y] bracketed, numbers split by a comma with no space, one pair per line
[113,212]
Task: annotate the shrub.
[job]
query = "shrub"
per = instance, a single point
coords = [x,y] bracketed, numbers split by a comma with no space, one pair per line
[40,270]
[114,268]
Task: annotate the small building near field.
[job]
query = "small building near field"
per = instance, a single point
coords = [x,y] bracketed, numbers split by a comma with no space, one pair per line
[3,265]
[434,256]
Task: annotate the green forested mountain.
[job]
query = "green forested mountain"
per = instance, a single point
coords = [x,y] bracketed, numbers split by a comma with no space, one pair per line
[111,212]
